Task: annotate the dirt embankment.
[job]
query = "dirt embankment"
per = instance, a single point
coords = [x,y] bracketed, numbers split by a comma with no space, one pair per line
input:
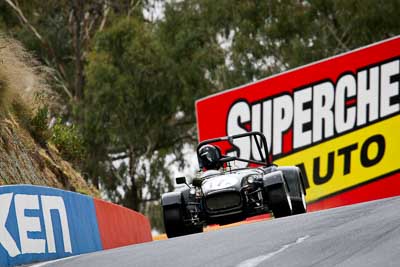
[22,159]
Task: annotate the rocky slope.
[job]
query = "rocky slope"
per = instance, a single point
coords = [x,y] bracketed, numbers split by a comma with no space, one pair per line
[22,159]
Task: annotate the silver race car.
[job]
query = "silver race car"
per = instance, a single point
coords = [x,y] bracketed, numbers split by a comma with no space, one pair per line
[223,194]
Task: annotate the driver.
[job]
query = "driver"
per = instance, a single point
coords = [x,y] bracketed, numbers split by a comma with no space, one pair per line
[209,156]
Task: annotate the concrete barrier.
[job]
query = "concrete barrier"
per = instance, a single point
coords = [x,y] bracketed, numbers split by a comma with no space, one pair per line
[119,226]
[41,223]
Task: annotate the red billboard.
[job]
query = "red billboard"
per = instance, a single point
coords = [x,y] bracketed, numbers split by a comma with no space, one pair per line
[337,119]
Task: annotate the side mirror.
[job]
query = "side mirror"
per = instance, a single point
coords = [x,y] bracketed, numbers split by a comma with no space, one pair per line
[180,180]
[197,182]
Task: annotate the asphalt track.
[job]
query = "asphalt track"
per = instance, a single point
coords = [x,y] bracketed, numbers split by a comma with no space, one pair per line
[366,234]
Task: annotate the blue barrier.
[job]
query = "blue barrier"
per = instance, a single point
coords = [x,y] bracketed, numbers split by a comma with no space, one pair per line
[41,223]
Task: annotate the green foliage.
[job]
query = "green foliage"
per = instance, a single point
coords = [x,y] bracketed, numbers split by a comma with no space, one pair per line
[39,126]
[131,102]
[266,37]
[35,122]
[59,33]
[68,141]
[140,95]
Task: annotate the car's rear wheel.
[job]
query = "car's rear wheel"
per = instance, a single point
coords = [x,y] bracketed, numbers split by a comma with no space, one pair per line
[279,200]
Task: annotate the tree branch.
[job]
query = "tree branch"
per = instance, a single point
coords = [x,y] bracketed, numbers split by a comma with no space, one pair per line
[78,36]
[25,21]
[133,6]
[119,157]
[333,32]
[106,9]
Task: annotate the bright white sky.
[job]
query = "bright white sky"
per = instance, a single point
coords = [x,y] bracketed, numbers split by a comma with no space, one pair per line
[155,10]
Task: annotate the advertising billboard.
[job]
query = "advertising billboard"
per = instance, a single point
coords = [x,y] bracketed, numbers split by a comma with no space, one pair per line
[337,119]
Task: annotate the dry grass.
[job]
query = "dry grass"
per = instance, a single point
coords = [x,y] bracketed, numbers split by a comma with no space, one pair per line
[24,90]
[22,78]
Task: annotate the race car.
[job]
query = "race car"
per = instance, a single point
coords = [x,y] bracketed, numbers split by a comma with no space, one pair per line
[224,193]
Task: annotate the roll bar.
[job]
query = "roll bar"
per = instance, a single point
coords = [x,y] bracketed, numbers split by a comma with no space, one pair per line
[230,138]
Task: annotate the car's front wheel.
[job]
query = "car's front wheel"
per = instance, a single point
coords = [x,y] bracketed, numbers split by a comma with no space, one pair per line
[279,200]
[174,222]
[294,181]
[299,204]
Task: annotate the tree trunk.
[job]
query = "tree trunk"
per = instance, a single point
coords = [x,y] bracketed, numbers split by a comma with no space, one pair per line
[78,17]
[132,198]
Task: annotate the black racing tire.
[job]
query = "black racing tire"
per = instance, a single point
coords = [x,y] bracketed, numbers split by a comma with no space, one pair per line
[293,178]
[299,204]
[279,200]
[173,221]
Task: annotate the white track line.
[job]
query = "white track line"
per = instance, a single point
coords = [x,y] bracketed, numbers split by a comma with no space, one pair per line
[257,260]
[53,261]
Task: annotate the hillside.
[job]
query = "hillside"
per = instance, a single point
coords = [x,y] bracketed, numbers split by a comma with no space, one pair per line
[24,157]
